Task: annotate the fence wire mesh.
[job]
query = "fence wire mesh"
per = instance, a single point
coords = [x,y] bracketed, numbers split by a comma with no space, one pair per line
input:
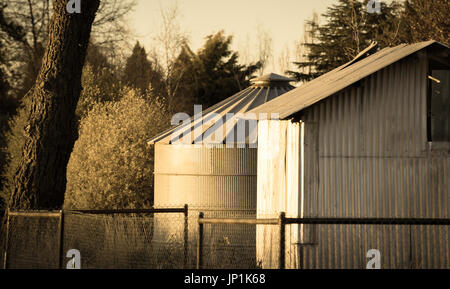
[33,242]
[114,241]
[105,241]
[229,246]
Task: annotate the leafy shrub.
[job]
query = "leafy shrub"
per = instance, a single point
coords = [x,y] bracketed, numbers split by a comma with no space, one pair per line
[12,149]
[111,165]
[98,86]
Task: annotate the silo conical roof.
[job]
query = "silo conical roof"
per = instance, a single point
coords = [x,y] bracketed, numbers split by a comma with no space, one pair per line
[220,123]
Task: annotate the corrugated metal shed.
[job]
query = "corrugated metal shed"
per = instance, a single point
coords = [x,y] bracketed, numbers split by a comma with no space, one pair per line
[262,90]
[338,79]
[364,153]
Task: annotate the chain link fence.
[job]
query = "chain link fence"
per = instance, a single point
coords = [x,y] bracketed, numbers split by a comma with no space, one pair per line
[169,238]
[126,239]
[32,241]
[328,243]
[226,246]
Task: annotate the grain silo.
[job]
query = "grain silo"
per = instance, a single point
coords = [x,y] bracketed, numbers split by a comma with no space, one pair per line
[217,180]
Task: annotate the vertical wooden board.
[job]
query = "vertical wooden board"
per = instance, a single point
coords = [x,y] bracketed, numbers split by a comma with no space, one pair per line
[287,182]
[310,204]
[293,172]
[271,187]
[294,193]
[288,155]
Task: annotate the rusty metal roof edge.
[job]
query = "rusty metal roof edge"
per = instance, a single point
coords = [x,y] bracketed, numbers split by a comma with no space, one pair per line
[346,73]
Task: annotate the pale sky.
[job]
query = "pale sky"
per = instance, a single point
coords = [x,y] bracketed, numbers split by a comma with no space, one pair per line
[283,19]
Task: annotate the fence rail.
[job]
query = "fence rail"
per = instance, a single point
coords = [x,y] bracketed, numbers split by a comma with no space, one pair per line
[282,221]
[368,221]
[98,212]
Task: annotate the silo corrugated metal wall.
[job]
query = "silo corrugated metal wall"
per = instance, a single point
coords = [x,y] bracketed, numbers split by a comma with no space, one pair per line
[374,160]
[205,178]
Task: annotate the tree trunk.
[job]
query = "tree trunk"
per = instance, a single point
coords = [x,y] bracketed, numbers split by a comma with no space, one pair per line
[40,179]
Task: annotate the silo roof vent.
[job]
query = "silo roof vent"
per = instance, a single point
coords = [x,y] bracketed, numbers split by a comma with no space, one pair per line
[271,79]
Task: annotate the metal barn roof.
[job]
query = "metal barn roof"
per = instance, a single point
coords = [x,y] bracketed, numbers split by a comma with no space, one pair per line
[338,79]
[262,90]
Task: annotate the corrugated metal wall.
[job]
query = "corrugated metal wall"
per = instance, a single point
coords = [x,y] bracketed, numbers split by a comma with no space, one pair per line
[373,160]
[373,148]
[208,178]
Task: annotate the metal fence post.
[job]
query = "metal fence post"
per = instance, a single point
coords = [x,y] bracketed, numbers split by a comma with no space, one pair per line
[61,239]
[186,235]
[5,260]
[282,224]
[200,242]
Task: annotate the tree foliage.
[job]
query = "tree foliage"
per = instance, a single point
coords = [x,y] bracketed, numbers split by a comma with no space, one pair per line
[347,30]
[8,102]
[26,51]
[213,73]
[14,139]
[98,86]
[111,165]
[264,48]
[33,16]
[140,73]
[100,81]
[169,44]
[219,75]
[9,31]
[425,20]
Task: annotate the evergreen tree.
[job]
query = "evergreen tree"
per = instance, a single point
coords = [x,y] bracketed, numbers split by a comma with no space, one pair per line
[348,29]
[212,74]
[184,82]
[96,58]
[138,69]
[139,72]
[425,20]
[220,75]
